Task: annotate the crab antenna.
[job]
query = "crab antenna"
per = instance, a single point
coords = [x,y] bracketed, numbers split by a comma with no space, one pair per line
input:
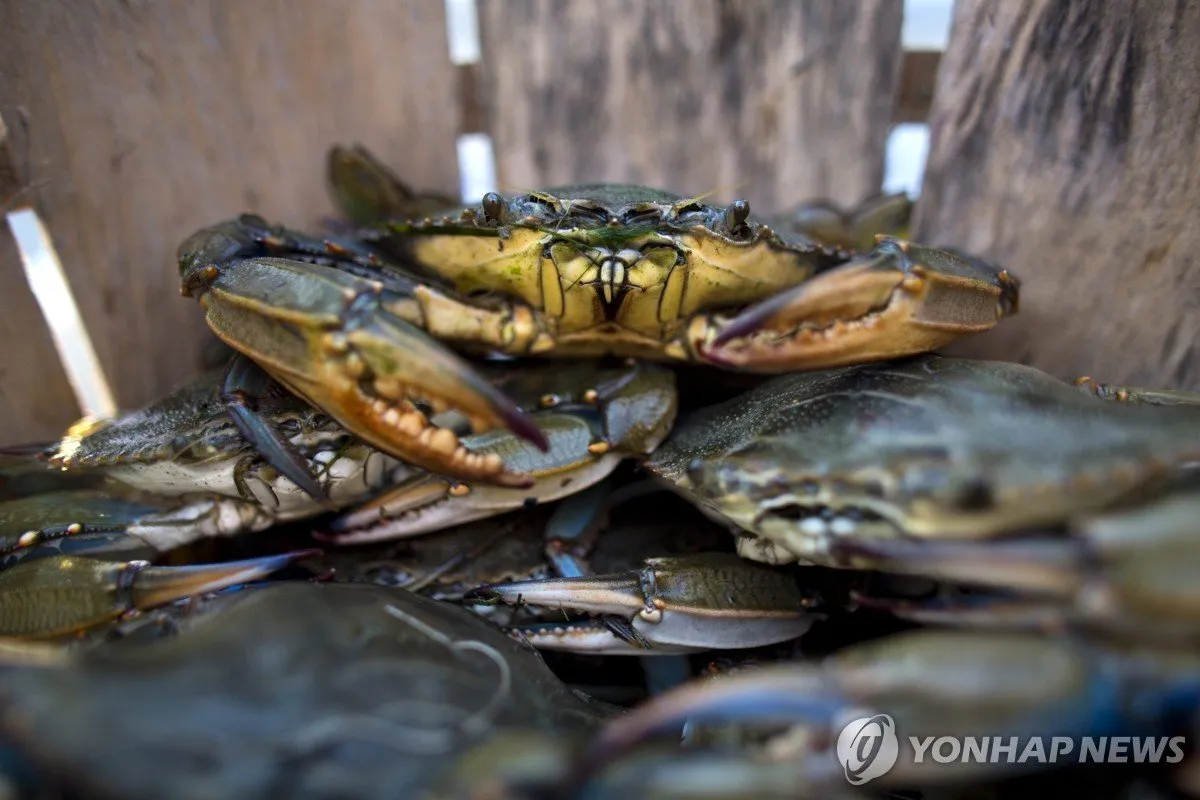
[705,195]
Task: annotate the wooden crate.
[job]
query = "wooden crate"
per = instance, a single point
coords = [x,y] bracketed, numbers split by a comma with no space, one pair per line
[1062,146]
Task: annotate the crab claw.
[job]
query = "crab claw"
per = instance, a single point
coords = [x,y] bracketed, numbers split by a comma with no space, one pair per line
[242,381]
[62,595]
[428,502]
[926,684]
[1045,567]
[367,191]
[672,605]
[1132,570]
[901,299]
[340,340]
[627,412]
[854,229]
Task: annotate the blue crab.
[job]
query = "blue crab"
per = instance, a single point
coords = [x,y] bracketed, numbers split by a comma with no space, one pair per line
[368,326]
[821,466]
[195,474]
[295,689]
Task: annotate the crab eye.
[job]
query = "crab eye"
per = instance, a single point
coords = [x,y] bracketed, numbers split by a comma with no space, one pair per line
[493,208]
[736,216]
[739,210]
[642,216]
[589,209]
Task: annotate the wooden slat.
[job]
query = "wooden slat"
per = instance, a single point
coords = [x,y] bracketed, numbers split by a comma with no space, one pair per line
[147,120]
[918,78]
[1064,147]
[36,402]
[788,100]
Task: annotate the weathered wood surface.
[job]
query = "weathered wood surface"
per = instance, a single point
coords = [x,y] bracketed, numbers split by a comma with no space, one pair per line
[918,81]
[772,100]
[143,121]
[36,402]
[1064,147]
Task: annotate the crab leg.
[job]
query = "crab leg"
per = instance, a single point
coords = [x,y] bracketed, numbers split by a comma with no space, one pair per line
[1137,395]
[900,299]
[73,522]
[368,192]
[61,595]
[850,230]
[1046,567]
[1133,571]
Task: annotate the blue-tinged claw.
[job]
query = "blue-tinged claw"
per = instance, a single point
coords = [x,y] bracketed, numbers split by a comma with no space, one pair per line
[933,684]
[243,382]
[72,522]
[674,605]
[63,595]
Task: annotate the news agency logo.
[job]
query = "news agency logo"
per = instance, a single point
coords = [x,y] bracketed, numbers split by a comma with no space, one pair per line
[867,748]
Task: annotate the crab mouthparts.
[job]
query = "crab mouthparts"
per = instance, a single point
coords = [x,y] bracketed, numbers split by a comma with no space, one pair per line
[612,277]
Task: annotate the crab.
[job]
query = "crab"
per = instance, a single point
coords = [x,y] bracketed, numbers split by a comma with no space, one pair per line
[185,469]
[926,684]
[821,467]
[372,327]
[300,689]
[921,466]
[60,596]
[114,494]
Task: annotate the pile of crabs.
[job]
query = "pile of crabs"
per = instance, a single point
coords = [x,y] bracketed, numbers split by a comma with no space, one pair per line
[596,491]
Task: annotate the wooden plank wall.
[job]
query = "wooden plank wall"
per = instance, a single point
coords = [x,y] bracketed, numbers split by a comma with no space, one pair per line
[1064,146]
[139,122]
[133,124]
[773,101]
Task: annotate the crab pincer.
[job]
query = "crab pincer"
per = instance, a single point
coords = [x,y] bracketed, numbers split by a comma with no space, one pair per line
[672,605]
[898,300]
[338,337]
[61,595]
[928,684]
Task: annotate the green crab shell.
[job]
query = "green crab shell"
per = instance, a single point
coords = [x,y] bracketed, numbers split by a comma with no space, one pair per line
[645,258]
[931,447]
